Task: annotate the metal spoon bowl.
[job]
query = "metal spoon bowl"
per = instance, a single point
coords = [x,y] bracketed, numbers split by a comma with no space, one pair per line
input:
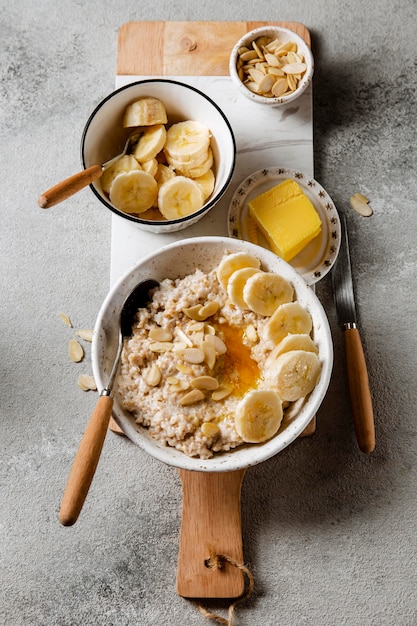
[71,185]
[87,457]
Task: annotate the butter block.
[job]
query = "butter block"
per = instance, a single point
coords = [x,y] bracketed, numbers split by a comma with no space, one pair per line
[286,217]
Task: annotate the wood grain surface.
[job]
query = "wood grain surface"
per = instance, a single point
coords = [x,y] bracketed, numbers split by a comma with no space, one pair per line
[184,48]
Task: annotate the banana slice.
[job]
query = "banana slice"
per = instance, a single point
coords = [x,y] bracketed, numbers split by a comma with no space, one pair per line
[292,342]
[134,191]
[206,183]
[150,166]
[145,112]
[187,142]
[265,291]
[192,170]
[178,197]
[150,143]
[236,285]
[293,374]
[233,262]
[258,415]
[290,317]
[126,163]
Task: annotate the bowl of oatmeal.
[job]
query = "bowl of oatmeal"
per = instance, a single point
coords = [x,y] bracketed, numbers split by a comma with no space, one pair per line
[180,162]
[228,362]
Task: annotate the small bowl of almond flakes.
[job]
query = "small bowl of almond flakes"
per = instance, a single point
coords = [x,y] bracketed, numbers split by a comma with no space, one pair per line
[271,65]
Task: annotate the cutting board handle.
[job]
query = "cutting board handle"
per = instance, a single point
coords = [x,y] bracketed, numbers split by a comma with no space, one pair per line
[211,525]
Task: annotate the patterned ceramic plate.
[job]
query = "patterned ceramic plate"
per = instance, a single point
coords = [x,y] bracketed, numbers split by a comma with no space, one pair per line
[318,257]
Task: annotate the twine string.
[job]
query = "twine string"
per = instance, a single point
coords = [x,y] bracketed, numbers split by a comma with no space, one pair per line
[218,561]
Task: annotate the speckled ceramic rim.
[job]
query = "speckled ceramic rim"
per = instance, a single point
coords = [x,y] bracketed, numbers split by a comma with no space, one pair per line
[179,259]
[272,31]
[159,223]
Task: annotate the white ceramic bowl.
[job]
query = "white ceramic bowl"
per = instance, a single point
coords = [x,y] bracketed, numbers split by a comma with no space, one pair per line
[284,35]
[104,137]
[177,260]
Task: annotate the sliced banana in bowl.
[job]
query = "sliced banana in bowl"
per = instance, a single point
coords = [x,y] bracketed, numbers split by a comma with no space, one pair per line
[182,133]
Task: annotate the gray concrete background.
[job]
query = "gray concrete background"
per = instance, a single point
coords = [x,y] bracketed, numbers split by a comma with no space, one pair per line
[329,533]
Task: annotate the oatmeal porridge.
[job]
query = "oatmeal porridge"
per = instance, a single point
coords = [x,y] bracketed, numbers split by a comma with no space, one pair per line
[216,358]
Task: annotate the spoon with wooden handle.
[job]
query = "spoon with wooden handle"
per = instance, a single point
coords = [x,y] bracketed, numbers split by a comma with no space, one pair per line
[70,186]
[87,457]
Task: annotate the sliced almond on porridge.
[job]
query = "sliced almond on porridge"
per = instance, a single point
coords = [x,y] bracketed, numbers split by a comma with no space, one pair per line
[209,353]
[87,335]
[184,369]
[193,355]
[173,380]
[160,334]
[75,350]
[161,346]
[221,393]
[205,382]
[193,396]
[219,345]
[209,309]
[153,376]
[183,337]
[210,430]
[193,312]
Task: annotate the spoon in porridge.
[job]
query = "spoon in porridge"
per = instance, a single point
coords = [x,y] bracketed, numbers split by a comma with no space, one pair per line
[88,454]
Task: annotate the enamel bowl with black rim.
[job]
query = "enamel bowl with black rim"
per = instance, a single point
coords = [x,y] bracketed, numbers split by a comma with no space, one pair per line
[177,260]
[104,137]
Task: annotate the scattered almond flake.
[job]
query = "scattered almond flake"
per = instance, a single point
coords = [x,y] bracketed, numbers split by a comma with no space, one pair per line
[221,393]
[193,355]
[87,335]
[76,351]
[87,383]
[209,429]
[360,204]
[219,345]
[153,376]
[209,353]
[161,346]
[197,327]
[184,338]
[184,369]
[193,312]
[173,380]
[160,334]
[65,319]
[205,382]
[196,395]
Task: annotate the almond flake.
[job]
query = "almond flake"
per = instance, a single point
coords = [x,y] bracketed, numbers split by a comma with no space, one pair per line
[221,393]
[160,334]
[192,397]
[209,429]
[87,383]
[153,376]
[161,346]
[87,335]
[360,204]
[65,319]
[193,355]
[75,350]
[205,382]
[209,309]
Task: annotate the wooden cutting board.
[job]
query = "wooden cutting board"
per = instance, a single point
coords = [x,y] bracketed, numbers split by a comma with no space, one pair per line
[211,501]
[184,48]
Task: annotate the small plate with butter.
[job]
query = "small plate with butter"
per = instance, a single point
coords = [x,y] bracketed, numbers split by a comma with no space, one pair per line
[291,214]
